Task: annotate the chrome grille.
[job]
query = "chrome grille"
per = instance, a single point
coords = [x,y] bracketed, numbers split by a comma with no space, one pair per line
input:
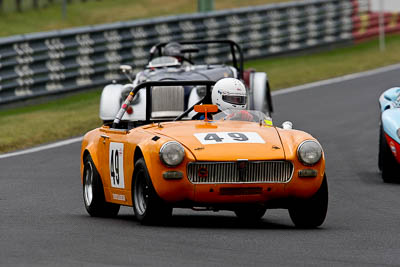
[231,172]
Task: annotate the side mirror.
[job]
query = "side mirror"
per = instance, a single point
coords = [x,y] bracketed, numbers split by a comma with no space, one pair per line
[127,71]
[125,68]
[205,109]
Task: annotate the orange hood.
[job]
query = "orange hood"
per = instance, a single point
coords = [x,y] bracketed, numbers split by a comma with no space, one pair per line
[224,140]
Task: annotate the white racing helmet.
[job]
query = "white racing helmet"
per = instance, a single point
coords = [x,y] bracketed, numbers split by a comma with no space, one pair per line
[229,93]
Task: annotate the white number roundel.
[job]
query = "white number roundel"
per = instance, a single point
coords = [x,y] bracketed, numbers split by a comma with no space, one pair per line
[116,161]
[229,137]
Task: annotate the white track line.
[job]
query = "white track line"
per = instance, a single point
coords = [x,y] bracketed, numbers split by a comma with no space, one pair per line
[280,92]
[336,80]
[40,148]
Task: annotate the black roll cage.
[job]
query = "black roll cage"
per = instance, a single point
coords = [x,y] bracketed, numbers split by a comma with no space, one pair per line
[147,85]
[237,62]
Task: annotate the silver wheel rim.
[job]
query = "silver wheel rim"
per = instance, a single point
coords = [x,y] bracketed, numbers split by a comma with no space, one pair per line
[141,194]
[88,185]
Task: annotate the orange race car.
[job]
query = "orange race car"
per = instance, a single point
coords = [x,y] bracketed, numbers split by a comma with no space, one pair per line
[159,164]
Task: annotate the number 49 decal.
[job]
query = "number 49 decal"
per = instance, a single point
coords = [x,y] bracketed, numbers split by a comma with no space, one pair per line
[116,160]
[229,137]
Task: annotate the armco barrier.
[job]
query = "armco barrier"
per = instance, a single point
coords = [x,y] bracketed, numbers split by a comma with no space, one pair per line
[60,61]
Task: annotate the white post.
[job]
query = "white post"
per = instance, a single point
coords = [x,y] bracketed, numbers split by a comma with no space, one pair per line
[382,45]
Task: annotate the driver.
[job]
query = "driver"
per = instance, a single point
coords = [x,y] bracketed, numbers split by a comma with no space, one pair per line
[173,49]
[230,93]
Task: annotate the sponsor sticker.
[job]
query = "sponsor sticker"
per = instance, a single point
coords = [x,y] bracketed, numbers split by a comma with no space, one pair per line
[119,197]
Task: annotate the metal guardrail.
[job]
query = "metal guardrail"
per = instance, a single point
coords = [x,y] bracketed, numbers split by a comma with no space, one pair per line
[60,61]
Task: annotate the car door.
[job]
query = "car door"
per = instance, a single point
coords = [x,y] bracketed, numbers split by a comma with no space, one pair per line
[116,165]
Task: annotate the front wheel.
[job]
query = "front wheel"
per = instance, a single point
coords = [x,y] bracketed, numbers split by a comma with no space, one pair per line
[93,193]
[311,212]
[148,207]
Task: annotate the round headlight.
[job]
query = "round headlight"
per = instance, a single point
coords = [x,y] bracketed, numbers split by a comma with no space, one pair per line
[309,152]
[172,153]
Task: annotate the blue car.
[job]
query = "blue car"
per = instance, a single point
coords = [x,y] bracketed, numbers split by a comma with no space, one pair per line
[389,137]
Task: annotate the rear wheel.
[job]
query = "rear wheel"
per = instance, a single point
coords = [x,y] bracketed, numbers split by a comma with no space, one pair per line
[311,212]
[250,213]
[387,163]
[93,193]
[148,206]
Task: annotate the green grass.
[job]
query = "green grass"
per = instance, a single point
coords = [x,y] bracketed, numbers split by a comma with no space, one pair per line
[102,11]
[76,114]
[58,119]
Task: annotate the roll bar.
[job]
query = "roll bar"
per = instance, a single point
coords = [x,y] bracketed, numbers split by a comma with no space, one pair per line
[237,61]
[148,85]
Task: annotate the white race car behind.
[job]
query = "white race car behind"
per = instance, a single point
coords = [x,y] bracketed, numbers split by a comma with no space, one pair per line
[174,61]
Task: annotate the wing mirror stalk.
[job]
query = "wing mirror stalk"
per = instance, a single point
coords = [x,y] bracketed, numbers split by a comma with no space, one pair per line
[127,71]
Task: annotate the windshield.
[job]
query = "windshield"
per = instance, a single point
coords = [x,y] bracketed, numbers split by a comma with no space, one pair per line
[164,61]
[243,115]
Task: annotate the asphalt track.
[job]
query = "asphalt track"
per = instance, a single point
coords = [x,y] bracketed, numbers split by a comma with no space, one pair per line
[43,220]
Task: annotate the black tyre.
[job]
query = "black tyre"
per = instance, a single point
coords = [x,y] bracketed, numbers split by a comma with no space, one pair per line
[387,163]
[381,150]
[250,213]
[148,206]
[93,193]
[311,212]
